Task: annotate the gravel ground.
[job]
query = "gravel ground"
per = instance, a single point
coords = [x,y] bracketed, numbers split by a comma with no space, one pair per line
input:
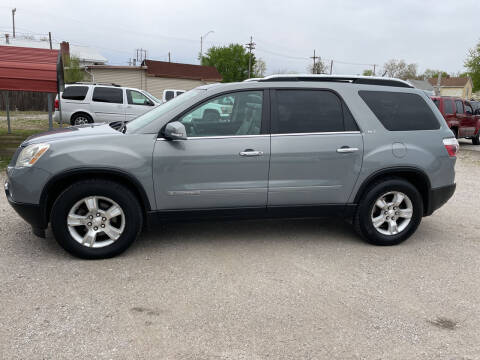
[298,289]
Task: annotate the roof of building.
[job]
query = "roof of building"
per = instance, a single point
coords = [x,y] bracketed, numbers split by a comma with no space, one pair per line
[450,81]
[181,71]
[83,53]
[28,69]
[421,84]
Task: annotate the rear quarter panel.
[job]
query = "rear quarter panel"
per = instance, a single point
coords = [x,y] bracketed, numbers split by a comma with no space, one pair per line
[383,149]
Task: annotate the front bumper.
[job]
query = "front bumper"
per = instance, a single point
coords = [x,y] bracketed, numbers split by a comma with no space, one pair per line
[31,213]
[439,196]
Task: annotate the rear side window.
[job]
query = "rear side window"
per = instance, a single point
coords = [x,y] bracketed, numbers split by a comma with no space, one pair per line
[459,106]
[448,106]
[398,111]
[308,111]
[108,95]
[75,92]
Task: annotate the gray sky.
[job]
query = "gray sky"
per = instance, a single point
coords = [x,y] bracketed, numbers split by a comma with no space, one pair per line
[433,34]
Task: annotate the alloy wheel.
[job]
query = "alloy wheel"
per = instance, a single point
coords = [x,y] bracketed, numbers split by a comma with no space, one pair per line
[96,221]
[391,213]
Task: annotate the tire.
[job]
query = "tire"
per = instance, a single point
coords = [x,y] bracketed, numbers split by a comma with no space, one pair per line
[368,210]
[74,225]
[81,119]
[476,139]
[455,132]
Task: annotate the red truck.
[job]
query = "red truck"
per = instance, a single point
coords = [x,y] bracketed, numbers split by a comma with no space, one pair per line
[460,117]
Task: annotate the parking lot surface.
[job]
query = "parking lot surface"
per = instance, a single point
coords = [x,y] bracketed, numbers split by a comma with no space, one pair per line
[276,289]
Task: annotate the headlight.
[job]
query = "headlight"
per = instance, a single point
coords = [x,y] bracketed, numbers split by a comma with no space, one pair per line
[31,154]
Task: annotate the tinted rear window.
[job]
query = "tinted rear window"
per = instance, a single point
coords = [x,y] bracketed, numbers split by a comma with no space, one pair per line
[108,95]
[399,111]
[310,111]
[75,92]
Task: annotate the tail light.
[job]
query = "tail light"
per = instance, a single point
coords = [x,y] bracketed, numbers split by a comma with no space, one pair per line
[56,103]
[451,144]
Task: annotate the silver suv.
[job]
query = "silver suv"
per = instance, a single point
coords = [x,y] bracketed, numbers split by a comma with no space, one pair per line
[374,151]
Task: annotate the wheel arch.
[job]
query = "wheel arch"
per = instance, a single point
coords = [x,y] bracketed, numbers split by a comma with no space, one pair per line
[415,176]
[60,182]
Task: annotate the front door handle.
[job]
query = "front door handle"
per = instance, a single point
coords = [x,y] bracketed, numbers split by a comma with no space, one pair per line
[346,149]
[250,152]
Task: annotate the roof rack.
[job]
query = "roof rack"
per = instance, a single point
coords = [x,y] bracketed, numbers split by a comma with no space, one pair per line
[90,83]
[352,79]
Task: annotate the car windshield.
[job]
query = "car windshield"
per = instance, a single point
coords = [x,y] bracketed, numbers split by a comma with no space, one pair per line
[152,97]
[155,113]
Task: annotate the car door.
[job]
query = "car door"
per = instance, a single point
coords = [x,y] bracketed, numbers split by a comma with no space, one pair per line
[137,104]
[108,104]
[316,150]
[461,118]
[223,163]
[470,120]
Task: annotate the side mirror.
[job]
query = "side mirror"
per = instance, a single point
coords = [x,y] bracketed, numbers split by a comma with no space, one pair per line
[175,131]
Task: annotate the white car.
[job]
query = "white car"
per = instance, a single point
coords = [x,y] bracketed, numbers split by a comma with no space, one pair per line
[84,103]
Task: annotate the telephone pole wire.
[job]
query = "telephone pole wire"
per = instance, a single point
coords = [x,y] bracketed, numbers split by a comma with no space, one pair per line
[250,46]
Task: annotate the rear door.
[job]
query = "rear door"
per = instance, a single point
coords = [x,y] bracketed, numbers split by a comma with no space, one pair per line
[470,120]
[108,104]
[137,104]
[316,151]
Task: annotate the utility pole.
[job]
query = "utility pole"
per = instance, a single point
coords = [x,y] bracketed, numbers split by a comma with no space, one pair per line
[169,60]
[374,66]
[13,20]
[314,57]
[50,39]
[331,66]
[250,46]
[201,44]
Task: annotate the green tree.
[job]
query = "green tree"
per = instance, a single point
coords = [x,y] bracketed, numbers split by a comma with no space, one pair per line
[472,63]
[430,73]
[71,70]
[367,72]
[231,61]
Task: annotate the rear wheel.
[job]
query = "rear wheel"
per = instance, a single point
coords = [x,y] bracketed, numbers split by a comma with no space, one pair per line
[81,119]
[476,139]
[96,219]
[389,212]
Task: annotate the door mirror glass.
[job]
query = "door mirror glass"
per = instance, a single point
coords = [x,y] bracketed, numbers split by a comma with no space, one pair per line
[175,131]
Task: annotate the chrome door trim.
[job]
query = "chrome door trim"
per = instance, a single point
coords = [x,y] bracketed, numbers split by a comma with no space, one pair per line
[318,133]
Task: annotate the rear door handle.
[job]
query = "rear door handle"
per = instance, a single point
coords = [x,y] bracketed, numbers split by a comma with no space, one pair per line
[250,152]
[346,149]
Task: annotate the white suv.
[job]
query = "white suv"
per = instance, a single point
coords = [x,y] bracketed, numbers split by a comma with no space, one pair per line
[87,103]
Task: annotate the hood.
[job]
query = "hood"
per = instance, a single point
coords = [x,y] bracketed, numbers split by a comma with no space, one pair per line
[71,132]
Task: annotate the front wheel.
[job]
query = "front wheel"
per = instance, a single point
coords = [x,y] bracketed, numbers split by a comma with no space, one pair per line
[95,219]
[389,212]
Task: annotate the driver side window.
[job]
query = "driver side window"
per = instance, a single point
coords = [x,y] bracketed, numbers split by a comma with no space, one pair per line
[238,113]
